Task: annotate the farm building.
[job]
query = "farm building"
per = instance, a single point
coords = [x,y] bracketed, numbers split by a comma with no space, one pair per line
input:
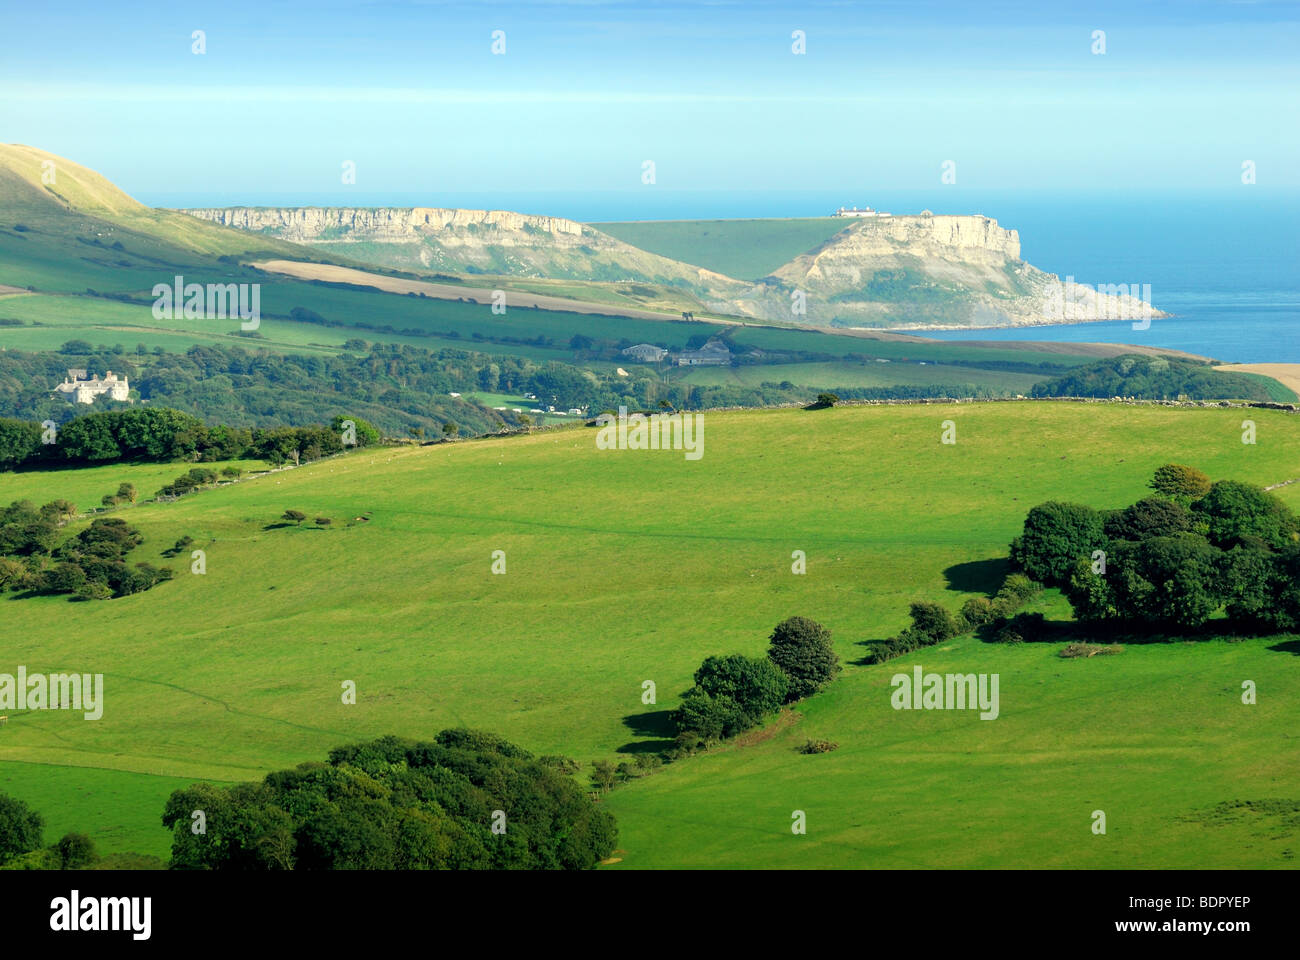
[713,353]
[646,353]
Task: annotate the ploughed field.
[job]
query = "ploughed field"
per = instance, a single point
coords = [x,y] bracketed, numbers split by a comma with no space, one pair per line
[625,566]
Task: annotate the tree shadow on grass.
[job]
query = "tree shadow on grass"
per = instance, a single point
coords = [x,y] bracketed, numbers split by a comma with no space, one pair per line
[657,724]
[868,659]
[1291,646]
[978,576]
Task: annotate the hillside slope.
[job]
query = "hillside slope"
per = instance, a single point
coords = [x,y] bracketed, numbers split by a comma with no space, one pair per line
[49,193]
[237,672]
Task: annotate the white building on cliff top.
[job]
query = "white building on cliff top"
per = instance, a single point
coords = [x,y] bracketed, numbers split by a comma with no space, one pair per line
[864,212]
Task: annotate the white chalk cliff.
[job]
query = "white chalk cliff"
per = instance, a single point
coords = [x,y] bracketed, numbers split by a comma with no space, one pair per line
[890,271]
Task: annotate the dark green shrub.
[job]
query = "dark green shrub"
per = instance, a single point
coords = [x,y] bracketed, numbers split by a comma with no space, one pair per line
[933,620]
[1236,512]
[1056,535]
[803,650]
[976,612]
[1179,482]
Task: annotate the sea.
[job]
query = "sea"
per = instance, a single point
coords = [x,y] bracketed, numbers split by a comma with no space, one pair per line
[1224,263]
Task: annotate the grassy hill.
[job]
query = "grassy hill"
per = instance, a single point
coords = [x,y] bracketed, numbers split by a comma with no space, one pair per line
[50,194]
[745,249]
[626,566]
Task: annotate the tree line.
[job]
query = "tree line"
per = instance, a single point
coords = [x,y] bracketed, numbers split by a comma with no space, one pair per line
[159,434]
[733,693]
[1153,378]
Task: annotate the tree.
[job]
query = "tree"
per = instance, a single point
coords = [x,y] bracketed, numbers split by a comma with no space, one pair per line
[93,590]
[1152,517]
[450,429]
[126,491]
[803,650]
[1180,483]
[1251,581]
[976,612]
[709,717]
[20,441]
[755,683]
[76,851]
[64,578]
[61,511]
[295,516]
[366,434]
[826,400]
[1238,511]
[731,694]
[12,573]
[1056,535]
[602,775]
[21,828]
[1167,581]
[1284,590]
[323,521]
[934,621]
[1089,594]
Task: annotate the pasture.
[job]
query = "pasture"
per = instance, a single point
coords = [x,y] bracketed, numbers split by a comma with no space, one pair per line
[627,566]
[744,249]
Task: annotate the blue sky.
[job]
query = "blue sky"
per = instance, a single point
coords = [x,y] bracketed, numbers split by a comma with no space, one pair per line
[586,91]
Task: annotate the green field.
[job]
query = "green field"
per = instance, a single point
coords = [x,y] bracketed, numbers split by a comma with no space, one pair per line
[864,374]
[633,566]
[512,401]
[50,320]
[744,249]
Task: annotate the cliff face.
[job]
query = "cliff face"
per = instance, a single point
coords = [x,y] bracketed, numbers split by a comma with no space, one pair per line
[493,242]
[943,237]
[929,271]
[383,224]
[905,271]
